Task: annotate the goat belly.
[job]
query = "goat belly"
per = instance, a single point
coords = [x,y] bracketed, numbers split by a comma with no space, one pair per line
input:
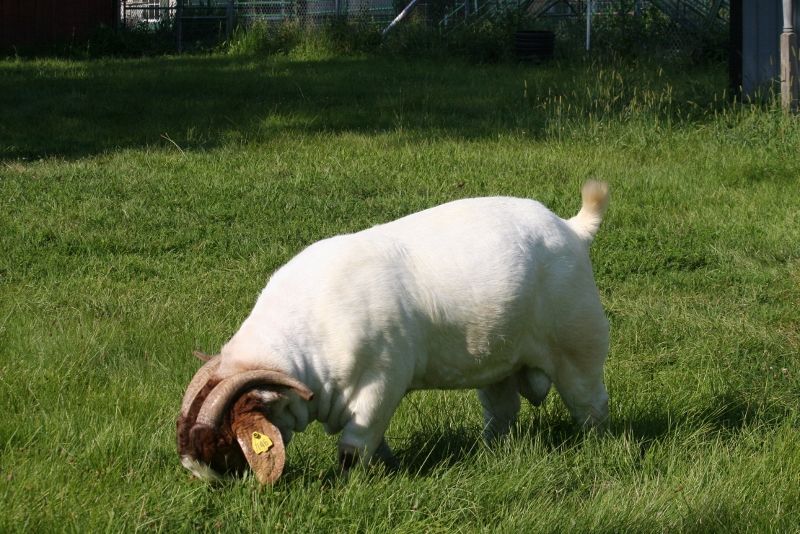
[458,358]
[445,376]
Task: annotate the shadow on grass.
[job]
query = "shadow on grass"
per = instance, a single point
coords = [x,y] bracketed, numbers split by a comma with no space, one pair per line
[424,452]
[77,109]
[427,450]
[726,414]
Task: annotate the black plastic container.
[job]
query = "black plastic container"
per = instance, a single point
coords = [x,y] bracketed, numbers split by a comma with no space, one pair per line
[534,45]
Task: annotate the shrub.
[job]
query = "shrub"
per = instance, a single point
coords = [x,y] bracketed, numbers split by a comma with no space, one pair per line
[334,37]
[359,36]
[482,42]
[264,39]
[413,38]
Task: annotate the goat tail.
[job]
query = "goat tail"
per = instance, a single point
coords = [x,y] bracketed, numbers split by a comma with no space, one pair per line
[595,201]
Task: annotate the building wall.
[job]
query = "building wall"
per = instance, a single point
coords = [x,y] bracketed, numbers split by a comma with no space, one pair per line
[762,23]
[25,23]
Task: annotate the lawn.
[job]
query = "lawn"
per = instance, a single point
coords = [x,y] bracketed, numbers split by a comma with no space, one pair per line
[144,203]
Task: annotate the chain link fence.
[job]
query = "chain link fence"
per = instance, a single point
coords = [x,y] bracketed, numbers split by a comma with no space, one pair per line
[215,20]
[660,25]
[672,25]
[661,28]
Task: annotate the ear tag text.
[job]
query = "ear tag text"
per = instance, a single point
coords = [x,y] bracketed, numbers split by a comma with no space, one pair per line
[260,443]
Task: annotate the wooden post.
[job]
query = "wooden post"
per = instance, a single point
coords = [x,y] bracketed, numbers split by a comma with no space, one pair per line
[790,85]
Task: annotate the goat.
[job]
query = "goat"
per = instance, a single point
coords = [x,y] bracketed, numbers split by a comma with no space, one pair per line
[490,293]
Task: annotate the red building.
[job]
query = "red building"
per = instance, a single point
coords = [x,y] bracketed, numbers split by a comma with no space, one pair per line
[31,23]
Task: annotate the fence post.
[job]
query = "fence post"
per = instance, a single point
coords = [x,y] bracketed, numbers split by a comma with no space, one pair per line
[588,24]
[115,20]
[179,24]
[229,20]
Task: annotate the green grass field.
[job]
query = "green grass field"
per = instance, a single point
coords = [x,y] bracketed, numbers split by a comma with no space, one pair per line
[144,203]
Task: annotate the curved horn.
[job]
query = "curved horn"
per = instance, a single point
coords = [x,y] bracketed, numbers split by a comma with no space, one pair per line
[198,382]
[202,356]
[220,397]
[190,405]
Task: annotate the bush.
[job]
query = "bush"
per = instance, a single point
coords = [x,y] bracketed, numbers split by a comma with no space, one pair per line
[104,41]
[264,39]
[335,37]
[360,36]
[649,35]
[140,40]
[482,42]
[413,38]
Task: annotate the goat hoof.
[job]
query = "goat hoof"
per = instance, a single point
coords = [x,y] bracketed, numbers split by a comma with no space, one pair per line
[347,459]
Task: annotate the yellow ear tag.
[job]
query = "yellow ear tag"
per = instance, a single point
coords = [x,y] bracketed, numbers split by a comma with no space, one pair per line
[260,443]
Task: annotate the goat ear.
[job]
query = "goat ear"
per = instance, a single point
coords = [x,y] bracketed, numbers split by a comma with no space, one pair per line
[260,440]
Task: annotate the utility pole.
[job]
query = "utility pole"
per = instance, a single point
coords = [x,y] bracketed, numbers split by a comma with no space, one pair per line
[790,90]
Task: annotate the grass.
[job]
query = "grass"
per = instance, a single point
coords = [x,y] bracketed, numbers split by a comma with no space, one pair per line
[143,203]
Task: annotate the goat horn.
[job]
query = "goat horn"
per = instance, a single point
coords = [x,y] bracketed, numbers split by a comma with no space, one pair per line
[221,396]
[202,356]
[190,404]
[198,382]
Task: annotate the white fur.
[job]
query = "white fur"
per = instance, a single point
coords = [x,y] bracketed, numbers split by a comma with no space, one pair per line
[490,293]
[199,469]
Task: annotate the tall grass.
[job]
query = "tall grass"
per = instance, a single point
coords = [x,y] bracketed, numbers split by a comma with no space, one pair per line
[143,204]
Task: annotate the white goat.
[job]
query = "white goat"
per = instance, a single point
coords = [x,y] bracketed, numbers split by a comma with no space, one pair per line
[489,293]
